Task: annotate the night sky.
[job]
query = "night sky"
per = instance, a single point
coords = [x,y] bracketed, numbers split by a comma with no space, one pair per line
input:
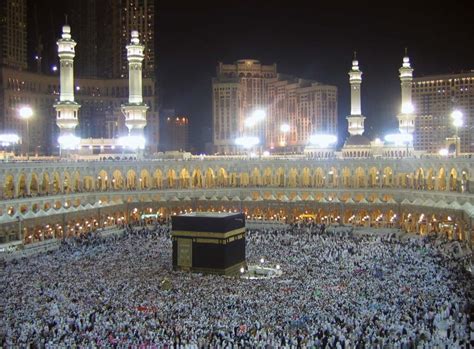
[306,39]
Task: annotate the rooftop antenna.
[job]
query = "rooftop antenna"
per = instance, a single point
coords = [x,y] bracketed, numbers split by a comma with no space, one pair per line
[65,16]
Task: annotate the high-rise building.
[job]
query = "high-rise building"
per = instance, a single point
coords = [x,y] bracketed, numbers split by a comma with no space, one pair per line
[13,39]
[87,28]
[175,133]
[289,109]
[109,38]
[19,88]
[239,90]
[98,91]
[296,109]
[134,15]
[103,30]
[435,97]
[97,97]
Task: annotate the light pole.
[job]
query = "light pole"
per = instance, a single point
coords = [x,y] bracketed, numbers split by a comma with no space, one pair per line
[26,113]
[458,121]
[285,129]
[253,121]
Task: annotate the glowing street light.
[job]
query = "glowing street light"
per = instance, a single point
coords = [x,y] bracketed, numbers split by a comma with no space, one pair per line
[256,117]
[285,128]
[458,121]
[26,113]
[250,122]
[457,115]
[259,115]
[443,152]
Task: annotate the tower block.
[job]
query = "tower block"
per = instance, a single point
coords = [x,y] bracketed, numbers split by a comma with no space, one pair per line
[66,107]
[135,109]
[356,119]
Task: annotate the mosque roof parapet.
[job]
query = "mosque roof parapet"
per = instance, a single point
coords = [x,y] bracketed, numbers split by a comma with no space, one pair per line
[357,140]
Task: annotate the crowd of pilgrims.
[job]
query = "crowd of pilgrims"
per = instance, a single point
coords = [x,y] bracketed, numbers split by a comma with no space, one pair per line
[337,290]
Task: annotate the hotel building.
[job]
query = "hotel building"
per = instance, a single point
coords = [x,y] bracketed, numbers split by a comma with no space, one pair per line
[435,97]
[299,107]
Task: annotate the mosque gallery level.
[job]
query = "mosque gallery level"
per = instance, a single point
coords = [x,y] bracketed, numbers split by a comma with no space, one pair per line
[54,199]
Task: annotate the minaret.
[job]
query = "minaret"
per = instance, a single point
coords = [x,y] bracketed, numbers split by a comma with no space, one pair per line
[355,121]
[135,109]
[406,119]
[66,107]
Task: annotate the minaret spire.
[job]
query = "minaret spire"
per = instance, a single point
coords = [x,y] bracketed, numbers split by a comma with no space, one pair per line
[135,109]
[356,119]
[66,107]
[407,117]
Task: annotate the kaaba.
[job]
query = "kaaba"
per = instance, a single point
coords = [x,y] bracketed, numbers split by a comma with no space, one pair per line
[209,242]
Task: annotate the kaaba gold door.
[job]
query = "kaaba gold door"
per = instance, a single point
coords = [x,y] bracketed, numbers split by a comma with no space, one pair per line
[185,253]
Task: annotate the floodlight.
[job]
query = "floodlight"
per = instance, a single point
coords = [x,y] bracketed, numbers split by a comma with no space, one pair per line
[7,139]
[247,142]
[132,142]
[458,122]
[457,115]
[322,140]
[443,152]
[69,141]
[259,115]
[26,112]
[399,138]
[250,122]
[285,128]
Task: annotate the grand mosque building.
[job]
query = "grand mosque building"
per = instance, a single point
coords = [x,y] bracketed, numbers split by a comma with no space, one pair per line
[369,183]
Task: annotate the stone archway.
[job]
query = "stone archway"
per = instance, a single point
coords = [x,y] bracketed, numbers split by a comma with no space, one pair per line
[222,178]
[184,178]
[197,178]
[9,187]
[131,180]
[22,186]
[145,179]
[117,180]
